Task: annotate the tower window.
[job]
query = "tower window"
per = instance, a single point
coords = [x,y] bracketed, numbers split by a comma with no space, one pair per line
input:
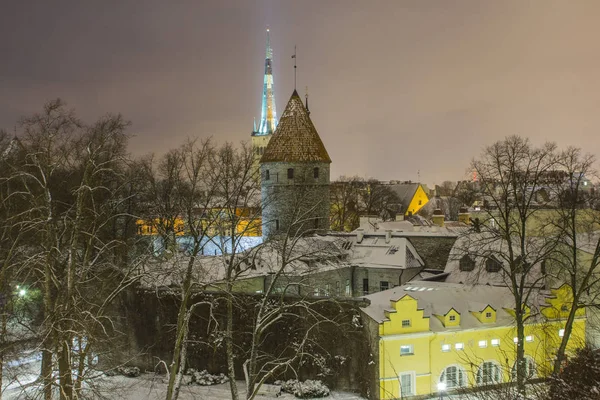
[267,175]
[316,172]
[290,173]
[316,222]
[276,224]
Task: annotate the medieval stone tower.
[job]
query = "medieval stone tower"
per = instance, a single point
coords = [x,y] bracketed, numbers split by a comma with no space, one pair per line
[295,176]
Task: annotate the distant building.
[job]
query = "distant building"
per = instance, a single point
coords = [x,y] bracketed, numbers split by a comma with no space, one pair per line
[413,196]
[262,133]
[427,333]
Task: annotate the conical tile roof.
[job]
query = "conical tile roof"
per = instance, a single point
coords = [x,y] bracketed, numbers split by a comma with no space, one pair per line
[295,139]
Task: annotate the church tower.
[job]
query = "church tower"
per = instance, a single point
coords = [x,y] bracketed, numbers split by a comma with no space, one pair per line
[268,117]
[295,176]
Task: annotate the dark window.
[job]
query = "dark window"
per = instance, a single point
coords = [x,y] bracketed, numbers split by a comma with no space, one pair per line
[384,285]
[316,172]
[466,263]
[316,223]
[290,173]
[267,175]
[337,288]
[276,224]
[543,266]
[366,286]
[492,264]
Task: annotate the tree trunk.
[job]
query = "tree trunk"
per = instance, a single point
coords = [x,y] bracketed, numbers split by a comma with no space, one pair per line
[229,338]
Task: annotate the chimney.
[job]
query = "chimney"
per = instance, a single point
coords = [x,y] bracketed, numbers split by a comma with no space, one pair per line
[464,216]
[359,235]
[388,236]
[438,217]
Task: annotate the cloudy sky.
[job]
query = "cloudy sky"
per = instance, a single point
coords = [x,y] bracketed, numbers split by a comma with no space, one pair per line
[396,87]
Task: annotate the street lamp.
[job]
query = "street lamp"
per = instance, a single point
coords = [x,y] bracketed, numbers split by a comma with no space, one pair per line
[441,387]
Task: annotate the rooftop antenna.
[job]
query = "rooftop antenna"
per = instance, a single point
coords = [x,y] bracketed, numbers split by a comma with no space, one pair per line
[294,57]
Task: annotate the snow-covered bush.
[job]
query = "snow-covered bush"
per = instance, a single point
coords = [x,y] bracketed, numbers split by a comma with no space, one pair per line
[203,378]
[306,389]
[579,379]
[132,372]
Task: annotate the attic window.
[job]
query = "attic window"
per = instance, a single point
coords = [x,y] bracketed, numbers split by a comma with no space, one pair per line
[452,318]
[492,264]
[466,263]
[316,172]
[290,173]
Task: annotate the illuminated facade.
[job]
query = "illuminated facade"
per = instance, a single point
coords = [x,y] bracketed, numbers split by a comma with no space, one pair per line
[268,118]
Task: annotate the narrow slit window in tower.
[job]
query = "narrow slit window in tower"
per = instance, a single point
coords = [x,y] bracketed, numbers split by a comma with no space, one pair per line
[316,172]
[290,173]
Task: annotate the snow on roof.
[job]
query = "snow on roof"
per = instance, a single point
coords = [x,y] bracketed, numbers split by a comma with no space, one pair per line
[439,297]
[479,247]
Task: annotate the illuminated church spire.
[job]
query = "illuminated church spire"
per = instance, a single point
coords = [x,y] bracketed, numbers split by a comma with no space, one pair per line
[268,118]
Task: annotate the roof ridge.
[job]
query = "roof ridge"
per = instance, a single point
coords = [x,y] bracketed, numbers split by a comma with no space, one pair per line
[296,139]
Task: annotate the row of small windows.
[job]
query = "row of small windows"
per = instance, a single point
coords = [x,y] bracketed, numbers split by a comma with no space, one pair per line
[290,173]
[318,292]
[492,264]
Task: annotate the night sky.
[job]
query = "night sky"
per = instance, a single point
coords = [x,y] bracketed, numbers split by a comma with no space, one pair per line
[395,86]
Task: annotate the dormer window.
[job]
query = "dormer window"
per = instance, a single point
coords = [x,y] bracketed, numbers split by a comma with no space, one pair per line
[492,264]
[267,175]
[316,172]
[466,263]
[290,173]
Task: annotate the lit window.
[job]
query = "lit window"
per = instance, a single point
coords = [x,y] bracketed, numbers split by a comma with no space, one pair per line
[406,350]
[483,343]
[327,290]
[446,348]
[406,323]
[516,340]
[561,333]
[453,318]
[495,342]
[347,287]
[459,346]
[488,373]
[529,338]
[530,371]
[453,377]
[406,385]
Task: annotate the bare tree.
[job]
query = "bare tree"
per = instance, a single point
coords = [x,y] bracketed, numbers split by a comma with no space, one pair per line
[576,259]
[510,173]
[74,188]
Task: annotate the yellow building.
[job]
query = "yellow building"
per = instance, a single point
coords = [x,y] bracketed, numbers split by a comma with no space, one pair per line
[461,335]
[412,196]
[215,221]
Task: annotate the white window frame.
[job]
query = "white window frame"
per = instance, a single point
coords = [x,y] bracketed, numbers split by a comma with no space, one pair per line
[410,347]
[482,344]
[479,373]
[459,346]
[460,370]
[529,338]
[413,383]
[561,332]
[495,342]
[446,347]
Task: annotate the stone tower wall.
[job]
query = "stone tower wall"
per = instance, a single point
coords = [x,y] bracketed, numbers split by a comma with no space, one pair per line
[300,205]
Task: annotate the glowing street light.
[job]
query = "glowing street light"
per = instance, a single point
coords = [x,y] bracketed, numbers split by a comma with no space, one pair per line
[441,387]
[22,293]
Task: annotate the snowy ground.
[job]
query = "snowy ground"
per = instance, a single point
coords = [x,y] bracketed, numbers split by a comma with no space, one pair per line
[20,376]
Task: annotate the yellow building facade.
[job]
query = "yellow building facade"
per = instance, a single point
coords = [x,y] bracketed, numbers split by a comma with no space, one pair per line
[462,336]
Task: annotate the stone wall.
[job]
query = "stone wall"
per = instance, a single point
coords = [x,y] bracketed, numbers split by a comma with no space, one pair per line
[298,205]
